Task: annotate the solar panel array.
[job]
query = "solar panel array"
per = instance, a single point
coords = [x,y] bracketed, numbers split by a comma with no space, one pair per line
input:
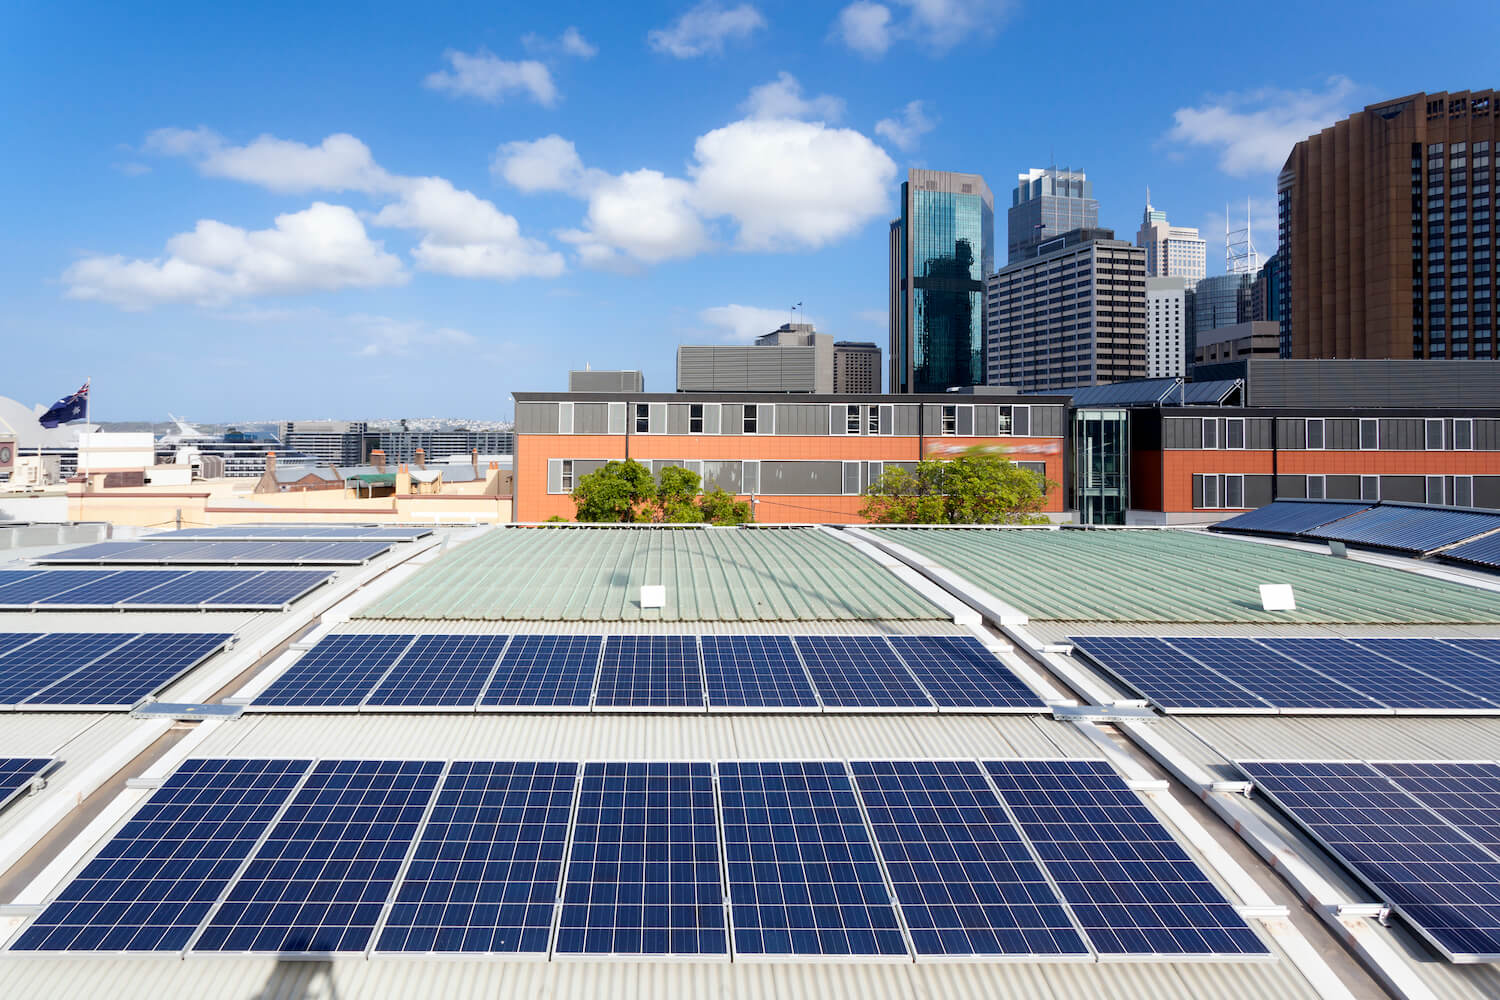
[1483,552]
[1421,835]
[17,774]
[224,553]
[925,858]
[100,671]
[1328,675]
[297,533]
[156,589]
[1411,528]
[1283,518]
[668,673]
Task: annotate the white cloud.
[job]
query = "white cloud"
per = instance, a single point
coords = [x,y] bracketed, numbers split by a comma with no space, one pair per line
[705,28]
[322,248]
[466,236]
[550,163]
[782,98]
[742,324]
[938,25]
[492,79]
[645,214]
[1254,132]
[906,131]
[570,43]
[383,336]
[339,163]
[865,27]
[791,182]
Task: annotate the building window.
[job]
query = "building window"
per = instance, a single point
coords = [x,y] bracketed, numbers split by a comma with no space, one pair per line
[1435,489]
[1315,433]
[1234,491]
[695,418]
[1434,427]
[872,420]
[1234,436]
[851,419]
[567,475]
[1369,434]
[1316,488]
[643,418]
[1210,433]
[1369,488]
[1463,435]
[950,420]
[752,412]
[1210,491]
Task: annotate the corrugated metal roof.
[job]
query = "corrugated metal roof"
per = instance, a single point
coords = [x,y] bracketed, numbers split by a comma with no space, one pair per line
[1149,575]
[915,626]
[711,574]
[1344,737]
[75,740]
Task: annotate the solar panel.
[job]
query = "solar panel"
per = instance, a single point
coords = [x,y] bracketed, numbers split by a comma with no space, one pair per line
[186,587]
[1288,517]
[271,588]
[319,882]
[294,532]
[48,584]
[29,669]
[10,576]
[803,875]
[1167,677]
[16,775]
[1467,795]
[1465,663]
[1280,681]
[485,874]
[755,672]
[1390,680]
[224,553]
[338,672]
[643,870]
[650,671]
[1444,884]
[965,878]
[115,588]
[440,671]
[1483,552]
[15,640]
[1131,886]
[158,877]
[121,678]
[960,673]
[859,672]
[545,671]
[1407,529]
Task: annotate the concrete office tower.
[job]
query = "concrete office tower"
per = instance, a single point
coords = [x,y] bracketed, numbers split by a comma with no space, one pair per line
[856,366]
[1073,314]
[1047,203]
[331,442]
[1171,251]
[941,250]
[1385,222]
[1169,319]
[791,358]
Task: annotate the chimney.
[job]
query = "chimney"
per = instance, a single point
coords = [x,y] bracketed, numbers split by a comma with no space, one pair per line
[377,458]
[403,480]
[474,457]
[421,459]
[271,462]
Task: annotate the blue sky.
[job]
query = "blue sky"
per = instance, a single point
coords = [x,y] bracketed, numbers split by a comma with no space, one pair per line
[283,210]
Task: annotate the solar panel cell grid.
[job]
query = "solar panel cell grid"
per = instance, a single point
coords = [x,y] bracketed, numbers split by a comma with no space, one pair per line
[485,874]
[551,671]
[188,587]
[1275,678]
[273,587]
[29,669]
[656,671]
[803,875]
[1467,795]
[963,874]
[123,677]
[320,881]
[440,671]
[643,873]
[116,587]
[16,773]
[1367,667]
[1132,888]
[1168,677]
[1457,662]
[158,877]
[755,671]
[338,672]
[15,640]
[46,585]
[960,673]
[855,671]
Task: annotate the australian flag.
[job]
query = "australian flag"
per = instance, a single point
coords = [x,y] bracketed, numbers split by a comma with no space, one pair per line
[68,409]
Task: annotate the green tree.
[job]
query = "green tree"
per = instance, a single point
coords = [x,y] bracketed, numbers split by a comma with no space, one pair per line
[677,495]
[977,487]
[720,507]
[616,491]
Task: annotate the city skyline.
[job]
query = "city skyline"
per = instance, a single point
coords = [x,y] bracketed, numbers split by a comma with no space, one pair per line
[225,217]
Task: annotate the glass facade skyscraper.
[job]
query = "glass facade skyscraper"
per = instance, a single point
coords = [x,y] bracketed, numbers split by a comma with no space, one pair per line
[1047,203]
[941,250]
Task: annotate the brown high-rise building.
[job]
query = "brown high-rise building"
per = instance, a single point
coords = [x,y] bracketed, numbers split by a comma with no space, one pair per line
[1386,240]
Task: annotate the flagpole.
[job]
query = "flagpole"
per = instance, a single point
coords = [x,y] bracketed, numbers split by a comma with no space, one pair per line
[88,420]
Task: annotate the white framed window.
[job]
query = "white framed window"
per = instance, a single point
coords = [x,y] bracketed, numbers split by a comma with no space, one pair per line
[950,420]
[567,475]
[1369,434]
[1435,489]
[887,418]
[872,420]
[695,418]
[851,479]
[1315,437]
[1020,421]
[1317,488]
[1433,427]
[565,418]
[1463,491]
[875,471]
[1463,434]
[1210,434]
[752,422]
[643,418]
[1234,490]
[1211,492]
[1369,488]
[750,476]
[851,418]
[616,418]
[1234,434]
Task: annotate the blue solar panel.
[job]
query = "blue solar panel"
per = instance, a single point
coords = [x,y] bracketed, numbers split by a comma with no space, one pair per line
[650,671]
[15,640]
[859,671]
[965,878]
[643,872]
[1132,888]
[485,874]
[440,670]
[159,587]
[116,588]
[1460,662]
[1168,678]
[29,669]
[155,881]
[1407,529]
[16,774]
[270,588]
[1483,552]
[1288,517]
[1387,679]
[1466,794]
[49,584]
[226,553]
[294,532]
[803,875]
[1429,872]
[1280,681]
[10,576]
[338,672]
[121,678]
[186,587]
[320,881]
[545,671]
[960,673]
[755,671]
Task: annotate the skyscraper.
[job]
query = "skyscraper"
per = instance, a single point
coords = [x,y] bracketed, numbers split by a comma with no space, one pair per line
[1387,246]
[1171,251]
[1169,324]
[942,248]
[1047,203]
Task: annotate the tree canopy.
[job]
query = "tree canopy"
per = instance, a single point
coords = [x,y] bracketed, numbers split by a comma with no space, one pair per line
[977,487]
[627,492]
